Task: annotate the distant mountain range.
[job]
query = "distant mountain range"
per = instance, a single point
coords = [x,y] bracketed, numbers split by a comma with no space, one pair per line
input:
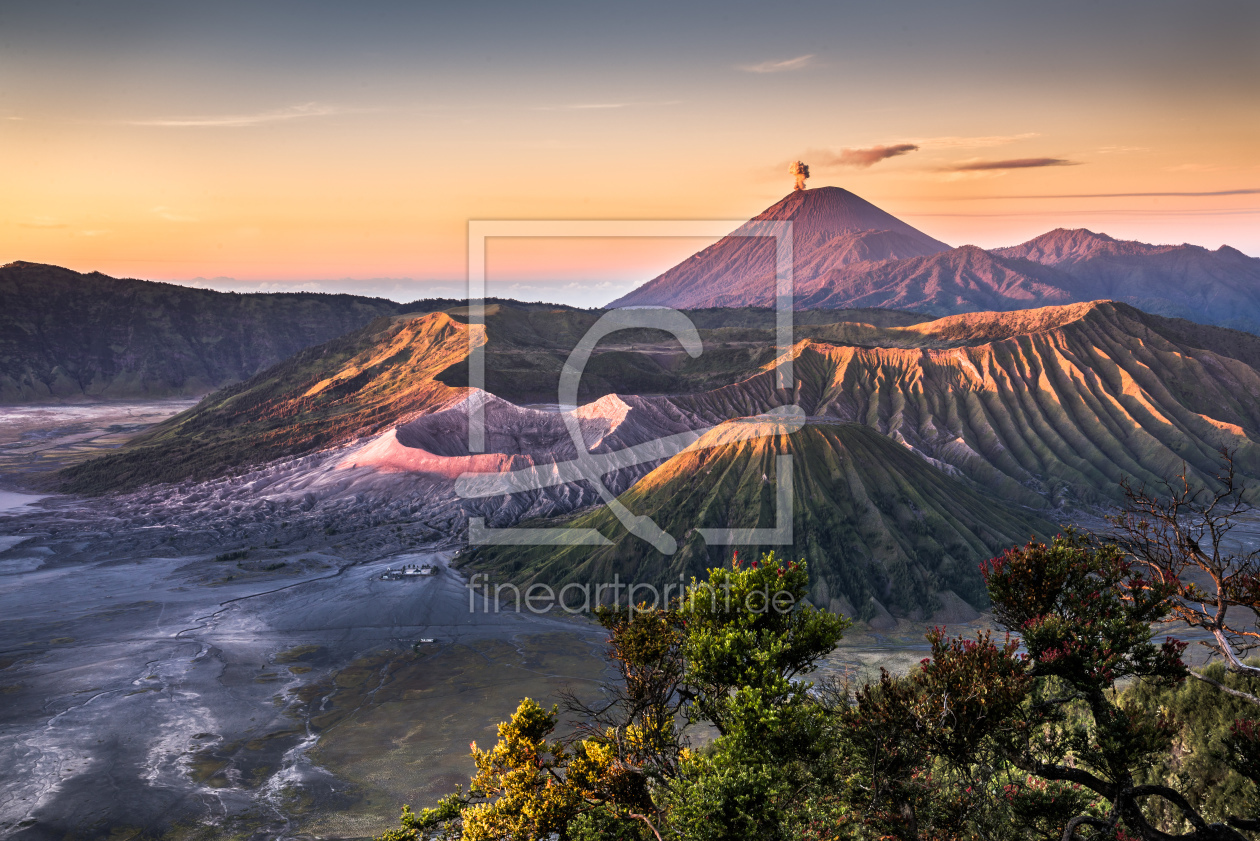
[850,254]
[71,336]
[65,335]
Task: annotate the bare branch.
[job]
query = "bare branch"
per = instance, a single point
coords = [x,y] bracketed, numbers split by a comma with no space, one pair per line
[1254,699]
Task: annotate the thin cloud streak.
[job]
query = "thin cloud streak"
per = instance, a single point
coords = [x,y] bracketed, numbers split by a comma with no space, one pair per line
[1059,214]
[785,66]
[1010,163]
[42,222]
[865,158]
[170,216]
[295,112]
[1244,192]
[605,106]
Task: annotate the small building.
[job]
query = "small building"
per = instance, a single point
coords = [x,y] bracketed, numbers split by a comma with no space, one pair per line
[408,571]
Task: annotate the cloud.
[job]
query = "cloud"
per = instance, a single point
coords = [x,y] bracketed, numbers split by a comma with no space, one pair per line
[1193,168]
[868,157]
[1009,163]
[604,106]
[293,112]
[42,222]
[785,66]
[1239,192]
[171,216]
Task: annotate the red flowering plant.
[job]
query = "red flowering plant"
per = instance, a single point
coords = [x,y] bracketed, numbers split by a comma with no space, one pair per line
[1031,731]
[1084,612]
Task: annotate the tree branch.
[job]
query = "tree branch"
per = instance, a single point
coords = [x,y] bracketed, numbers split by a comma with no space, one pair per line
[643,818]
[1246,696]
[1069,832]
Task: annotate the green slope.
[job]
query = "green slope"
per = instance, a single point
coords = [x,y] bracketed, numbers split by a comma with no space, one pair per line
[875,522]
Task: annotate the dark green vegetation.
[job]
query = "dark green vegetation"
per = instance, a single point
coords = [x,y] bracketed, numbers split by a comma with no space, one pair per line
[882,529]
[1083,728]
[1203,723]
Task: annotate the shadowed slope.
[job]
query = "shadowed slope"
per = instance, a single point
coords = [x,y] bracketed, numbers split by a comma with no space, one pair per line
[1062,267]
[65,335]
[960,280]
[879,526]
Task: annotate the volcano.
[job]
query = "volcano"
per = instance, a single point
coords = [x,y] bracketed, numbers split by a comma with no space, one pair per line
[849,254]
[831,228]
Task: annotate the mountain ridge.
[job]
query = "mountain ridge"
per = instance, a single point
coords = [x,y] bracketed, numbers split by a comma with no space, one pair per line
[849,253]
[1050,407]
[67,336]
[71,336]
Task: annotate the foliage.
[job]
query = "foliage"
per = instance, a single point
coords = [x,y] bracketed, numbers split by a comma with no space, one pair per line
[968,745]
[1076,724]
[1215,760]
[743,652]
[728,654]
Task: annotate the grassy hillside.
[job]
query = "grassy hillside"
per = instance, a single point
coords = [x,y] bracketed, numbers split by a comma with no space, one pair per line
[879,526]
[526,350]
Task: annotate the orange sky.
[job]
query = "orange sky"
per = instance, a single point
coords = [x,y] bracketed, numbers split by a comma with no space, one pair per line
[177,152]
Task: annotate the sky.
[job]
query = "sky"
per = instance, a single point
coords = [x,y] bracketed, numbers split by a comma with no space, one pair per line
[345,146]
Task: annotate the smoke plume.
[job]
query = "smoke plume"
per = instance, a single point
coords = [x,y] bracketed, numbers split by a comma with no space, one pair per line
[801,172]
